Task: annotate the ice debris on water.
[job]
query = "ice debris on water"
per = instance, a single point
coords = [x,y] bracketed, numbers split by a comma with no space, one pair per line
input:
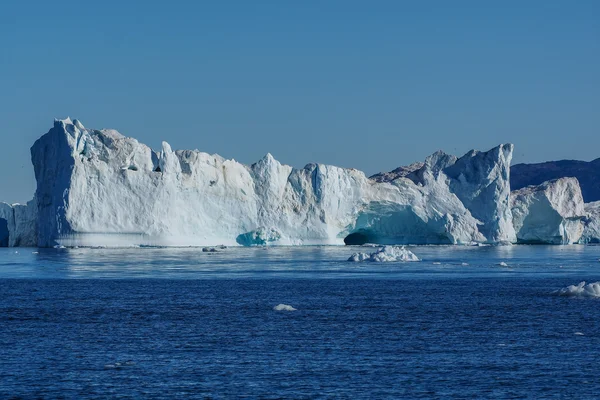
[583,289]
[127,363]
[284,307]
[386,254]
[578,334]
[503,264]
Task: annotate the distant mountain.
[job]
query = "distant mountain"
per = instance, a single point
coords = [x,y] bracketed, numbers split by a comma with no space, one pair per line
[588,174]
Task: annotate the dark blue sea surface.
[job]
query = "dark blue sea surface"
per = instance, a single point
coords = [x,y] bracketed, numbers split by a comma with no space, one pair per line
[182,323]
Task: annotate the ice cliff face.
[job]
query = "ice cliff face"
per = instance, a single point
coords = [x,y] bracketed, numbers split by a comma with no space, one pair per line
[18,224]
[98,183]
[591,231]
[478,182]
[551,213]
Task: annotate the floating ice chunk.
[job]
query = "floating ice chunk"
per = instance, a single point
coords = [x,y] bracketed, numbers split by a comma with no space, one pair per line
[581,290]
[578,334]
[503,264]
[386,254]
[284,307]
[358,257]
[437,263]
[464,264]
[393,253]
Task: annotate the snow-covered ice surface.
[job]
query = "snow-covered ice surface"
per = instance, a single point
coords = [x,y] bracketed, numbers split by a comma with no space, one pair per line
[550,213]
[581,290]
[98,182]
[386,254]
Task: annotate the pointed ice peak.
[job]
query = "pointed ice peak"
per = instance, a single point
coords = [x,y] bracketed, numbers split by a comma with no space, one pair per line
[266,162]
[78,124]
[168,160]
[58,122]
[439,160]
[166,147]
[268,158]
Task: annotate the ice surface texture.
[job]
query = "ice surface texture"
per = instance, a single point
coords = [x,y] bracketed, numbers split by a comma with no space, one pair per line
[552,212]
[386,254]
[591,231]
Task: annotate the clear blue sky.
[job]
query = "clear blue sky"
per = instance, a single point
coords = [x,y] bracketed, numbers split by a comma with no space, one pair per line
[365,84]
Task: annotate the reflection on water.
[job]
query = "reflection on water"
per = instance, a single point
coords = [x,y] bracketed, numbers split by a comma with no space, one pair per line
[310,261]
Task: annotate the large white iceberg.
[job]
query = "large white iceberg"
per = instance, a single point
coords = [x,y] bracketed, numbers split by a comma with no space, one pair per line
[551,213]
[92,183]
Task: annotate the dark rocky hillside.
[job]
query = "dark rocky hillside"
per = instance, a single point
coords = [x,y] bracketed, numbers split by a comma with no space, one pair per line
[588,174]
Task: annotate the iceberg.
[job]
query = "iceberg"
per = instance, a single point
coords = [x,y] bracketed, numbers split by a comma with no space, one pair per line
[550,213]
[474,187]
[583,289]
[284,307]
[18,224]
[386,254]
[94,184]
[591,230]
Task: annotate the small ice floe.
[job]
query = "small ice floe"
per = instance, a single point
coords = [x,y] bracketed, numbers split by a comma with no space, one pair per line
[578,334]
[35,252]
[284,307]
[369,245]
[464,264]
[437,263]
[386,254]
[503,264]
[581,290]
[116,365]
[59,246]
[16,252]
[209,250]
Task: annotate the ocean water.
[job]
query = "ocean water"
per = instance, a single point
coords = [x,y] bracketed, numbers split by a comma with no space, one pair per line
[465,322]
